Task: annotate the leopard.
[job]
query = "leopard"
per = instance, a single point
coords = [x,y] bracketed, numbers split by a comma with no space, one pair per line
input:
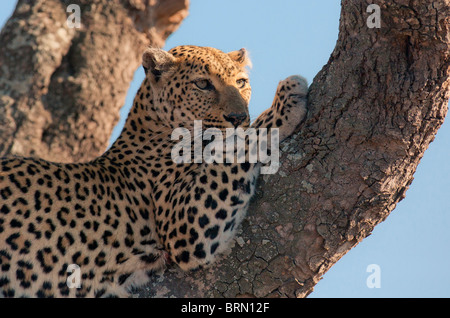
[122,217]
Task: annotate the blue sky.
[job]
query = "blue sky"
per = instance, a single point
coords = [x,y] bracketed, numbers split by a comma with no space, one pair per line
[411,247]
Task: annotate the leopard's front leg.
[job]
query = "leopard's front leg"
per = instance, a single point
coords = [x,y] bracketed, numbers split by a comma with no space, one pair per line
[216,196]
[288,107]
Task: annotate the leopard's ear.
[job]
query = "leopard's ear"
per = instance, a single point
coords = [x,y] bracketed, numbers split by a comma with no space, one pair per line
[241,57]
[157,62]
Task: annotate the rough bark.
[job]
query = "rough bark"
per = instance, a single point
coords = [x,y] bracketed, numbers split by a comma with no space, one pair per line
[373,110]
[61,88]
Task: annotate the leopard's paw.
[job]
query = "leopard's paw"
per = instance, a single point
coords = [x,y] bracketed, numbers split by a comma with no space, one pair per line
[292,105]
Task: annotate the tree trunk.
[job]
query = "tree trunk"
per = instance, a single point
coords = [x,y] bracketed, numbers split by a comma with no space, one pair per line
[373,110]
[61,88]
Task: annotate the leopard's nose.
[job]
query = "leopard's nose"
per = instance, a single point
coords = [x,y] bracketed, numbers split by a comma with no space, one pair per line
[235,118]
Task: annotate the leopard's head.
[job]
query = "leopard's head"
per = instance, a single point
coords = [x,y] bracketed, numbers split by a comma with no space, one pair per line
[199,83]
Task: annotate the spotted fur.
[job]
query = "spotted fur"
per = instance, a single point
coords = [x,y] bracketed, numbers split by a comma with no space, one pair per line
[123,215]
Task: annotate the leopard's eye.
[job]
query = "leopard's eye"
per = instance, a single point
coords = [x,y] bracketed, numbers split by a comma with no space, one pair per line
[204,84]
[241,82]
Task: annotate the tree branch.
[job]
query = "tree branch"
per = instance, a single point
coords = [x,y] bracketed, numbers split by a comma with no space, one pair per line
[61,88]
[373,110]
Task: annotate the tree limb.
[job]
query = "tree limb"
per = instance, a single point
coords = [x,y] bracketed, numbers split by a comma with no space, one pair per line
[61,88]
[373,110]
